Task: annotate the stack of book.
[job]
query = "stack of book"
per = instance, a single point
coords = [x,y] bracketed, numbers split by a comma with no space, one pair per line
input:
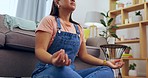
[127,56]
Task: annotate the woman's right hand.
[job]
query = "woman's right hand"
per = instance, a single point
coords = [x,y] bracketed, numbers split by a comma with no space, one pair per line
[60,58]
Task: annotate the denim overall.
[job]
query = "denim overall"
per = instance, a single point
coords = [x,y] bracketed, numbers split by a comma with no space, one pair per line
[70,43]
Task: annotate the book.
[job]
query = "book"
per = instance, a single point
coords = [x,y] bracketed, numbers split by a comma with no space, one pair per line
[127,56]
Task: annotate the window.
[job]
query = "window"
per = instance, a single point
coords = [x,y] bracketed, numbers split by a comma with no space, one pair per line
[8,7]
[48,7]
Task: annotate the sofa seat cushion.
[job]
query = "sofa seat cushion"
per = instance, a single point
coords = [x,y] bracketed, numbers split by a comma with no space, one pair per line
[2,40]
[21,40]
[95,51]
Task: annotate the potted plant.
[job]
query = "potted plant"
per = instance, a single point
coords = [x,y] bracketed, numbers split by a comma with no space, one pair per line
[127,50]
[132,70]
[137,17]
[109,28]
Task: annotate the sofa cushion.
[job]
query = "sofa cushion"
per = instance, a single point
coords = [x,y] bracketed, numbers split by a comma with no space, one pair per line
[92,51]
[2,40]
[3,28]
[20,39]
[95,51]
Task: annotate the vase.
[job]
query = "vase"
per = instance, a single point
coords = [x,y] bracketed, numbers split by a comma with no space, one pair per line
[137,18]
[132,73]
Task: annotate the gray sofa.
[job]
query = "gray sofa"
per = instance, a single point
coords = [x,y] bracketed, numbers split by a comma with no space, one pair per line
[17,51]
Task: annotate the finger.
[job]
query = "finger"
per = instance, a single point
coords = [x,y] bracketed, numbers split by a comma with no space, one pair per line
[66,59]
[62,59]
[118,60]
[57,53]
[120,64]
[69,62]
[57,59]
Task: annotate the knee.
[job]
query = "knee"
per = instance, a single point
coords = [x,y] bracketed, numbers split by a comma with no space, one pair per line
[106,72]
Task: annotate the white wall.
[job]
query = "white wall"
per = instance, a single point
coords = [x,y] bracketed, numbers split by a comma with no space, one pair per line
[82,7]
[8,7]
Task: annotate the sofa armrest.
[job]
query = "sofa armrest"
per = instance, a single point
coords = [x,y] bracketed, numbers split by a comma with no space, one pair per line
[96,42]
[93,48]
[82,65]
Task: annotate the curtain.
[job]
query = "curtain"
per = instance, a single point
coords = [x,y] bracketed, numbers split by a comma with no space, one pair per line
[31,9]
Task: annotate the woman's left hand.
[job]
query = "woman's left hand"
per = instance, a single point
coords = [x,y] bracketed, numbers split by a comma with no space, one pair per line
[115,64]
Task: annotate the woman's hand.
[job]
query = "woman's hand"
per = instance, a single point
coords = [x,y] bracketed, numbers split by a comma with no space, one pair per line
[60,58]
[115,64]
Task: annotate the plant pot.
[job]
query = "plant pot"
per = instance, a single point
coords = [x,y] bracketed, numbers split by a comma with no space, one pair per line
[132,73]
[137,18]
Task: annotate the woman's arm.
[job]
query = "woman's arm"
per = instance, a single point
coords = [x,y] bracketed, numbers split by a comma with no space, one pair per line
[59,58]
[84,56]
[42,40]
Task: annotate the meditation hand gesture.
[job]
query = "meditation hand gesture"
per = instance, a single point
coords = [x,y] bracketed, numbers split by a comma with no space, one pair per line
[115,64]
[60,58]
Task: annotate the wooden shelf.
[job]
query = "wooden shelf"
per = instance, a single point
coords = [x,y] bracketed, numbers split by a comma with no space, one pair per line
[144,22]
[141,25]
[134,7]
[134,58]
[132,77]
[128,25]
[128,41]
[115,12]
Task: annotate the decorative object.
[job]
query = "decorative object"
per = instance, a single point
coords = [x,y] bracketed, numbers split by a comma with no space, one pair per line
[113,51]
[127,50]
[86,33]
[130,20]
[127,56]
[137,17]
[135,2]
[122,38]
[119,5]
[126,21]
[93,21]
[109,29]
[128,4]
[132,70]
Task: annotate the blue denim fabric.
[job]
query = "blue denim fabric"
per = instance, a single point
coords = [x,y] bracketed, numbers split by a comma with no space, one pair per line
[70,43]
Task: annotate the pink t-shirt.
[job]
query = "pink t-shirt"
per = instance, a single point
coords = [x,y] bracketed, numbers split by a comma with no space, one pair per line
[49,24]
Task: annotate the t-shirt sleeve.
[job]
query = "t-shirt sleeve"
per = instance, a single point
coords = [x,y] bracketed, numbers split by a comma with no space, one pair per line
[45,25]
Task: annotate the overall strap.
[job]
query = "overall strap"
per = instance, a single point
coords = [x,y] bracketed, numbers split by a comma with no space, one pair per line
[58,22]
[77,29]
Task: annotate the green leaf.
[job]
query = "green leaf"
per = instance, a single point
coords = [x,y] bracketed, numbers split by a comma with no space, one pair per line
[103,22]
[138,13]
[104,31]
[134,64]
[103,14]
[110,21]
[107,14]
[101,35]
[114,35]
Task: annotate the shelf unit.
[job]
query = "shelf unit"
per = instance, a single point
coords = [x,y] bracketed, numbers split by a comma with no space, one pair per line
[141,5]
